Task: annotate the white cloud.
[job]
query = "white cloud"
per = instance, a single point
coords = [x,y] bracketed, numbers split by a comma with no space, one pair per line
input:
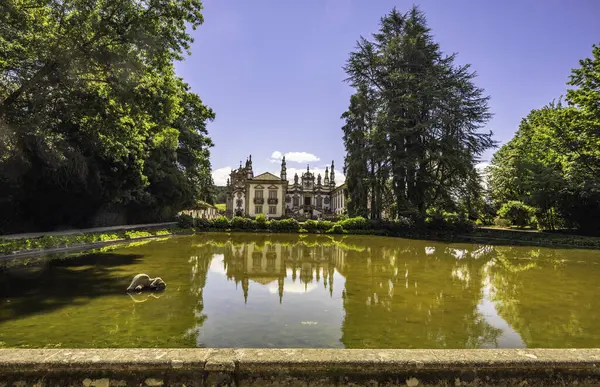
[294,288]
[276,156]
[295,157]
[221,175]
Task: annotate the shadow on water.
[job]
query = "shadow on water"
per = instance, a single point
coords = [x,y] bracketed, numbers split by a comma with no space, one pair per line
[53,284]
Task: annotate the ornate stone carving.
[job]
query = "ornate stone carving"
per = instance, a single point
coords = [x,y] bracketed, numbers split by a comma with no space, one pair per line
[288,199]
[326,200]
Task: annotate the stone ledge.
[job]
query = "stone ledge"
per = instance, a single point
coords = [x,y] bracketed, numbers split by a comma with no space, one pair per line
[112,367]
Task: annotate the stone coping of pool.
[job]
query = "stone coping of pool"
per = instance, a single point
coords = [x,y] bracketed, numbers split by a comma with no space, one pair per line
[319,367]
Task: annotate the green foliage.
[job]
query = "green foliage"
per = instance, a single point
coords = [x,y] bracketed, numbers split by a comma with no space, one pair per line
[95,126]
[53,241]
[411,131]
[240,223]
[553,161]
[137,234]
[324,225]
[185,221]
[311,226]
[286,225]
[202,223]
[221,223]
[518,213]
[336,229]
[262,222]
[357,223]
[502,222]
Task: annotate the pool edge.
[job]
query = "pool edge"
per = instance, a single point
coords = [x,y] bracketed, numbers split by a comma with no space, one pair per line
[324,367]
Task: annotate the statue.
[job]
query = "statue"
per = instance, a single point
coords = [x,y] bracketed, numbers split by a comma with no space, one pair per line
[143,282]
[296,178]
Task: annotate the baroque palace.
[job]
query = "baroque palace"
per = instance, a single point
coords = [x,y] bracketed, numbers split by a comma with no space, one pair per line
[308,197]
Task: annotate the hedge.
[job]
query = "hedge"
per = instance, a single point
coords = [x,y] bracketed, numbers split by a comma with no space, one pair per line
[358,225]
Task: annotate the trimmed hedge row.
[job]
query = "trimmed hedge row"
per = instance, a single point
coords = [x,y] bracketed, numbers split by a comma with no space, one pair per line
[356,225]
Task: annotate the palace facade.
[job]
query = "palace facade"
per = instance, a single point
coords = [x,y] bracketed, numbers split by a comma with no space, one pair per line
[309,196]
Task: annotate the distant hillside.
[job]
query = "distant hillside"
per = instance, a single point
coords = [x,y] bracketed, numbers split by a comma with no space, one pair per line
[220,194]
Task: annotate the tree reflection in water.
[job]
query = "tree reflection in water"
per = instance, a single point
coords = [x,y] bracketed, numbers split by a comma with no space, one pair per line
[264,290]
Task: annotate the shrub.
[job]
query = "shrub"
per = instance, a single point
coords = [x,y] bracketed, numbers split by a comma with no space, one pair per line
[448,222]
[311,225]
[289,225]
[501,222]
[463,225]
[357,223]
[221,223]
[435,223]
[336,229]
[185,221]
[203,223]
[240,223]
[324,225]
[274,225]
[517,212]
[403,223]
[261,222]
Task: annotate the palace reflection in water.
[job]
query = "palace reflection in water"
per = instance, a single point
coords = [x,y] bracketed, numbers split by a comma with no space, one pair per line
[265,264]
[261,290]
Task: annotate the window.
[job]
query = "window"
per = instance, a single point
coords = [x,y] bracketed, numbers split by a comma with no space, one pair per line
[296,201]
[271,263]
[272,194]
[307,200]
[257,261]
[272,210]
[258,210]
[258,194]
[319,202]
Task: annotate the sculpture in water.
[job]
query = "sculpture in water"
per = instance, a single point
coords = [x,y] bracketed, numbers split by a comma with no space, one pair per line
[143,282]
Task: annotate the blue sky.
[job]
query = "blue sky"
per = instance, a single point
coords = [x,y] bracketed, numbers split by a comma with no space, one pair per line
[272,69]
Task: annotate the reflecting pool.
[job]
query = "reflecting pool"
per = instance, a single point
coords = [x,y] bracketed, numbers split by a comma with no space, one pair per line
[272,291]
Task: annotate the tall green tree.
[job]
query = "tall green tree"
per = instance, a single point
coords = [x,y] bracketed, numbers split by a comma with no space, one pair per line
[426,111]
[553,161]
[93,120]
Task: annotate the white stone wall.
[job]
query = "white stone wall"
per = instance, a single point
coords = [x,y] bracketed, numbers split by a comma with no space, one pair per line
[265,206]
[338,202]
[208,213]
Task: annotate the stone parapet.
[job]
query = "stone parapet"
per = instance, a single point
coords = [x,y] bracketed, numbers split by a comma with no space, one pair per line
[298,367]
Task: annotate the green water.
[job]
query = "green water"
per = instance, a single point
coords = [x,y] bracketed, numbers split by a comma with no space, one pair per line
[256,290]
